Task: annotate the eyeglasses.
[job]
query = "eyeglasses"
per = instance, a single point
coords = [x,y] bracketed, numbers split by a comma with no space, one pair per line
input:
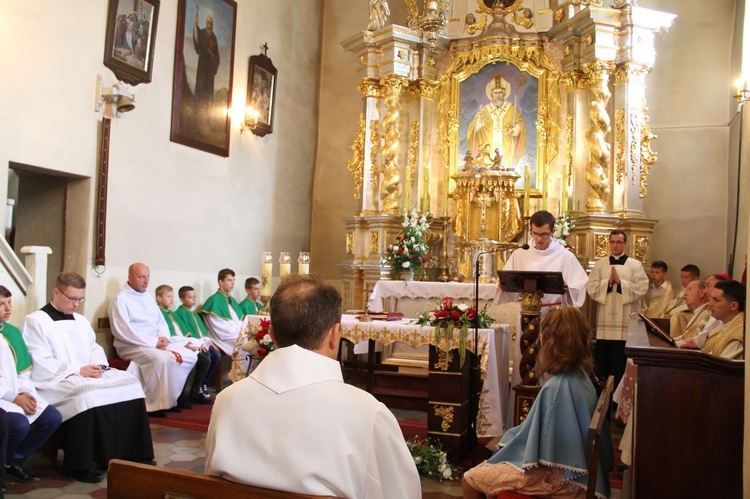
[72,300]
[543,235]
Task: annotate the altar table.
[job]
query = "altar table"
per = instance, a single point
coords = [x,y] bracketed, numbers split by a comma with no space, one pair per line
[494,350]
[414,297]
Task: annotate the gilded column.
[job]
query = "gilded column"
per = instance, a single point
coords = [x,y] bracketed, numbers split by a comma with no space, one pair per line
[596,137]
[390,187]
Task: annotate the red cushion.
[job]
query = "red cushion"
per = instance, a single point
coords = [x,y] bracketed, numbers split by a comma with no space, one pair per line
[120,364]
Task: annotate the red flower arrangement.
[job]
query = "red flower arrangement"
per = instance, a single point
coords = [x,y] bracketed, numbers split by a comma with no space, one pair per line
[263,337]
[449,316]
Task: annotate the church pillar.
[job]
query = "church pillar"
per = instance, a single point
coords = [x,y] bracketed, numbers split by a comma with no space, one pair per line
[370,127]
[597,169]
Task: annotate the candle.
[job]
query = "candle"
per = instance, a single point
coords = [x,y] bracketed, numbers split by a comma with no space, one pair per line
[266,274]
[284,270]
[285,265]
[304,262]
[304,268]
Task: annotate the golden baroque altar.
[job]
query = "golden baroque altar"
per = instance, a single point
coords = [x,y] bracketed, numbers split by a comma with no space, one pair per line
[484,111]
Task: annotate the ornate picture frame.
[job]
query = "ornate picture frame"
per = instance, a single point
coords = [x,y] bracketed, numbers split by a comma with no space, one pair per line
[261,92]
[469,75]
[203,70]
[130,39]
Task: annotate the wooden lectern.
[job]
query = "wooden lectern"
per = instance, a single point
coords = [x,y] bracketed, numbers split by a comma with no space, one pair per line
[530,286]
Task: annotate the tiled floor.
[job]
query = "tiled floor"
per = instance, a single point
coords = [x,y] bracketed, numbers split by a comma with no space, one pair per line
[173,448]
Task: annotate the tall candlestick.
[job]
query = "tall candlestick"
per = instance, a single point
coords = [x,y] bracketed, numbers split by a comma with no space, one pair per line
[266,274]
[285,265]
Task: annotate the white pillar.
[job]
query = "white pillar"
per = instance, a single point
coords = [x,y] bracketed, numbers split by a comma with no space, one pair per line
[36,264]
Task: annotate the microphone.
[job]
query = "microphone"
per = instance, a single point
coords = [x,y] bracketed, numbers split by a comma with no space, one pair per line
[525,246]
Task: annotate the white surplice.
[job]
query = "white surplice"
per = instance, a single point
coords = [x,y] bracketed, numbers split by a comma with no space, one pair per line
[553,259]
[59,349]
[223,332]
[12,384]
[613,308]
[137,324]
[295,413]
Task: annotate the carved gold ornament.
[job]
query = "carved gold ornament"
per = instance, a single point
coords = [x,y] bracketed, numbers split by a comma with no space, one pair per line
[356,165]
[444,359]
[350,243]
[445,412]
[620,143]
[635,144]
[601,245]
[569,148]
[413,150]
[375,139]
[390,187]
[642,246]
[374,242]
[648,157]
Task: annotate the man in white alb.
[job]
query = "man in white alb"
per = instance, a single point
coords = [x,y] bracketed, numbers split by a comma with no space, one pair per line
[103,411]
[295,413]
[222,314]
[141,335]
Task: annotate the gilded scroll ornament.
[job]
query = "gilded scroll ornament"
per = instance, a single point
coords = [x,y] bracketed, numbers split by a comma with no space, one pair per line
[444,359]
[569,148]
[370,88]
[374,242]
[599,148]
[375,139]
[445,412]
[635,143]
[560,15]
[620,143]
[525,19]
[601,245]
[413,151]
[531,302]
[356,165]
[478,26]
[350,243]
[648,157]
[641,245]
[390,187]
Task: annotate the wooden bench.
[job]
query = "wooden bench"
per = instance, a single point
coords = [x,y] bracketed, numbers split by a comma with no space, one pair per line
[126,480]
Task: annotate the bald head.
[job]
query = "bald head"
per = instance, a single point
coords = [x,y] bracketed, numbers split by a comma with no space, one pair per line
[138,276]
[695,294]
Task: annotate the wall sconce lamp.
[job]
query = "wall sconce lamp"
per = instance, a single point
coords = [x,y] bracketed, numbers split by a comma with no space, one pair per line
[743,91]
[115,100]
[251,119]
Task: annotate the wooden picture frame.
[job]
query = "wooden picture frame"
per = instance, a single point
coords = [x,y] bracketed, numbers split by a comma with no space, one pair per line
[203,69]
[261,92]
[130,39]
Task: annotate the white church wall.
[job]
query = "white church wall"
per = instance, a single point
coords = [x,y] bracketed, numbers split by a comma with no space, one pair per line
[689,99]
[184,212]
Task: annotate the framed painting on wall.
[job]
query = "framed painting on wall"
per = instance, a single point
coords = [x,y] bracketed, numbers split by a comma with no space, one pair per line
[130,39]
[202,82]
[261,92]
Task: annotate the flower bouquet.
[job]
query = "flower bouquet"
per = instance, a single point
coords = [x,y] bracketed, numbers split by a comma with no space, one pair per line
[563,225]
[430,459]
[262,344]
[449,316]
[410,251]
[255,341]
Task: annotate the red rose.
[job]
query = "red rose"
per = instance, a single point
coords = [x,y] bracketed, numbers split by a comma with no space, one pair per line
[400,250]
[456,315]
[471,313]
[444,313]
[262,352]
[447,302]
[260,334]
[265,323]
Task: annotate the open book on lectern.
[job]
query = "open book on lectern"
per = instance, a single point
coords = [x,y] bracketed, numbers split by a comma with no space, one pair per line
[652,328]
[517,281]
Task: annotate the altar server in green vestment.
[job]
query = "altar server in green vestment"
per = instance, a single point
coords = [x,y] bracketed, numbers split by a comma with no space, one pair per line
[192,324]
[251,305]
[165,299]
[222,314]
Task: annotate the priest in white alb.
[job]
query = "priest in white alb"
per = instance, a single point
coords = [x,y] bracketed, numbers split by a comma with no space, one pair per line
[617,284]
[544,254]
[141,336]
[222,314]
[103,409]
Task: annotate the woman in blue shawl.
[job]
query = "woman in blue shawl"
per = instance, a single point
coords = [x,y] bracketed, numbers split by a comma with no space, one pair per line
[545,456]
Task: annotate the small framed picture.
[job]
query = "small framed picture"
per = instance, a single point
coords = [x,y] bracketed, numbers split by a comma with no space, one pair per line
[261,92]
[130,39]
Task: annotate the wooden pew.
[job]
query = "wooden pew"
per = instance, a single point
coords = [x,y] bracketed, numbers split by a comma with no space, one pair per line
[126,480]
